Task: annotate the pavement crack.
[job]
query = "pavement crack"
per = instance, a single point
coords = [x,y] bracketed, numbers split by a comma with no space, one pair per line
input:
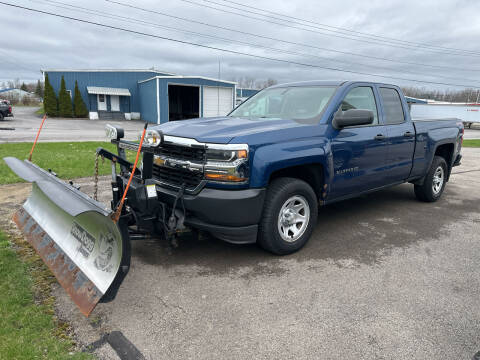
[167,305]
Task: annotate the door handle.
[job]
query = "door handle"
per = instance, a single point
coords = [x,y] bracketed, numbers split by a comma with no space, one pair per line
[409,134]
[380,137]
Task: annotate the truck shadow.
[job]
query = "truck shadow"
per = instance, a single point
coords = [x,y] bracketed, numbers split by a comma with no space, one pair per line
[363,229]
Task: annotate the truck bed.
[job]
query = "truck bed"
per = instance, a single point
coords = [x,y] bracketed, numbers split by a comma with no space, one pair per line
[431,133]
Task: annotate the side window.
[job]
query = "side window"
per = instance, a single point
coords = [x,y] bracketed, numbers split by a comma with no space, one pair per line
[361,98]
[392,106]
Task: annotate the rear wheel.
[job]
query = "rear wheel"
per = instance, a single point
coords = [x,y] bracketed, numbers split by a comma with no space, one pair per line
[434,183]
[289,216]
[1,116]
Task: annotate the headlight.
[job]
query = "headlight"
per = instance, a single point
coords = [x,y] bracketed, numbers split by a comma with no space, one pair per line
[113,132]
[227,163]
[152,138]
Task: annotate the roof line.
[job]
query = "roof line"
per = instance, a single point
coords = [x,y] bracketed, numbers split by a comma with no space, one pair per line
[187,77]
[106,70]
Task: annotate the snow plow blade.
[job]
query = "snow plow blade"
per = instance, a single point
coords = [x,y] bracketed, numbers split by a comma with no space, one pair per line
[74,235]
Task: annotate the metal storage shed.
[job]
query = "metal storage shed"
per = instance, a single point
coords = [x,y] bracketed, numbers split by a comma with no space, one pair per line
[185,97]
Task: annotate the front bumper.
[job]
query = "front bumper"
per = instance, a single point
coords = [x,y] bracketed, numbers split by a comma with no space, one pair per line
[230,215]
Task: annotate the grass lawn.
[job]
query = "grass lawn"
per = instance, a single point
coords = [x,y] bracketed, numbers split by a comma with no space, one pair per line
[471,143]
[27,329]
[40,111]
[68,160]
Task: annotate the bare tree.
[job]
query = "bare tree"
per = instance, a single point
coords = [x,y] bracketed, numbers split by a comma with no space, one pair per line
[465,95]
[262,84]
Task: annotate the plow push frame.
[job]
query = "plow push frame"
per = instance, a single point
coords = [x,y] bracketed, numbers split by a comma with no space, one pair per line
[85,245]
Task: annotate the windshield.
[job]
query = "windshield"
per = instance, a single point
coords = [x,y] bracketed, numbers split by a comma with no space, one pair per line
[305,103]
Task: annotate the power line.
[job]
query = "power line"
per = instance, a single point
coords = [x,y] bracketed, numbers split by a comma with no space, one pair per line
[323,33]
[62,5]
[286,41]
[328,27]
[228,50]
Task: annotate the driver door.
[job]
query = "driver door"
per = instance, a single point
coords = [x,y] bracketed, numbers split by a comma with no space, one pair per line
[359,152]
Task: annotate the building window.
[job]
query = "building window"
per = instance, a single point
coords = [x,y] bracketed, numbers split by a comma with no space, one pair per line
[101,98]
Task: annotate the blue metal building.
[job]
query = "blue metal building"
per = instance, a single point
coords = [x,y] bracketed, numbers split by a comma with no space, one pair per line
[244,93]
[150,95]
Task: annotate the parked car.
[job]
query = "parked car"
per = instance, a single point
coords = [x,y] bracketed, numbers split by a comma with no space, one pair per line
[5,109]
[257,175]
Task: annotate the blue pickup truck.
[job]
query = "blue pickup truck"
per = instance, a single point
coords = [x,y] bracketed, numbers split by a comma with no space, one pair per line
[257,175]
[260,173]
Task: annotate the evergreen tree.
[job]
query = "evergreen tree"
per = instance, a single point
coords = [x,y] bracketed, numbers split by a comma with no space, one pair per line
[24,87]
[64,101]
[39,89]
[79,107]
[50,103]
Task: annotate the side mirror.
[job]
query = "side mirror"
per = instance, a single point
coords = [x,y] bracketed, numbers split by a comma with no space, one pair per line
[352,117]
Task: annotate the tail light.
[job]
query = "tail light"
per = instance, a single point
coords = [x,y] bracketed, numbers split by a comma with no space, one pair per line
[9,109]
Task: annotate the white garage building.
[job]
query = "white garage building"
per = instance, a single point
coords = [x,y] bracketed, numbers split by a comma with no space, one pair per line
[185,97]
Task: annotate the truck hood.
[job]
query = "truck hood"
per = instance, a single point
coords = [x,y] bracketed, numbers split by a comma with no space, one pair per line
[222,130]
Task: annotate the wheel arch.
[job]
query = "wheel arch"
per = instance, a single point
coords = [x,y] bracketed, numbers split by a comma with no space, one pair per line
[446,151]
[311,173]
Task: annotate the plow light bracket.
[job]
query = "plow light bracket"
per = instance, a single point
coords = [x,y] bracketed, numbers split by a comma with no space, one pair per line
[114,132]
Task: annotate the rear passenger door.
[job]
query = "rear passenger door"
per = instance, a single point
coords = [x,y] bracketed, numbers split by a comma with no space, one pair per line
[359,152]
[401,135]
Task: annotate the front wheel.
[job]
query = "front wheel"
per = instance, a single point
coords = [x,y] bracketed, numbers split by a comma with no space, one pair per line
[434,182]
[289,216]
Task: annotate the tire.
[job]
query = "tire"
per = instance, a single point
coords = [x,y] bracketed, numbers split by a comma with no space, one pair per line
[287,200]
[1,116]
[432,188]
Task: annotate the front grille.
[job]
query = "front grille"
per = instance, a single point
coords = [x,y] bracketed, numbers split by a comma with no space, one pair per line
[182,152]
[178,176]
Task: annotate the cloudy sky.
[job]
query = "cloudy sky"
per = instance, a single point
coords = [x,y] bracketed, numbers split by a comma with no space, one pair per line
[430,40]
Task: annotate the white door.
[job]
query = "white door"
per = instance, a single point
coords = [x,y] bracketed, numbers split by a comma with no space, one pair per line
[217,101]
[102,102]
[114,103]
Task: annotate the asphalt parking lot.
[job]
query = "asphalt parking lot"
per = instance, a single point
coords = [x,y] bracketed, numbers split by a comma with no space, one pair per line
[383,277]
[24,126]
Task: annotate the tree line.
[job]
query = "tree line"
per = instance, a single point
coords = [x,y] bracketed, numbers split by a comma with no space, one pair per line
[62,105]
[448,95]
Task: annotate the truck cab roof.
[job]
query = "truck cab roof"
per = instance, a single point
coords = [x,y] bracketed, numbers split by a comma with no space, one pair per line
[327,83]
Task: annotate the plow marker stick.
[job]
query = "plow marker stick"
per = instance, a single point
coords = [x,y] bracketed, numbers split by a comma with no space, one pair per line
[117,213]
[36,138]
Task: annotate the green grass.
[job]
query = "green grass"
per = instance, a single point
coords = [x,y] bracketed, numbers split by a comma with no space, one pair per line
[40,110]
[68,160]
[471,143]
[28,330]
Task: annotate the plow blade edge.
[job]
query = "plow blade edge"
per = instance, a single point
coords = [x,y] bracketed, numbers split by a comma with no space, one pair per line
[74,235]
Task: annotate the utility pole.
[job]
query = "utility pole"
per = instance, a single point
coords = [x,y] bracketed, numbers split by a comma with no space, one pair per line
[218,90]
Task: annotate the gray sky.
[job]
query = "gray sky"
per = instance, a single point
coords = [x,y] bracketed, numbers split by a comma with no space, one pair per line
[33,41]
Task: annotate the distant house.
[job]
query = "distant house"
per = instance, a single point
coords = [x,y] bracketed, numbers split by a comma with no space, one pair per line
[151,95]
[17,94]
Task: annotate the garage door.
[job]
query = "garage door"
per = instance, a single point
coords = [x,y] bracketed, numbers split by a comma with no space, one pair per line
[217,101]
